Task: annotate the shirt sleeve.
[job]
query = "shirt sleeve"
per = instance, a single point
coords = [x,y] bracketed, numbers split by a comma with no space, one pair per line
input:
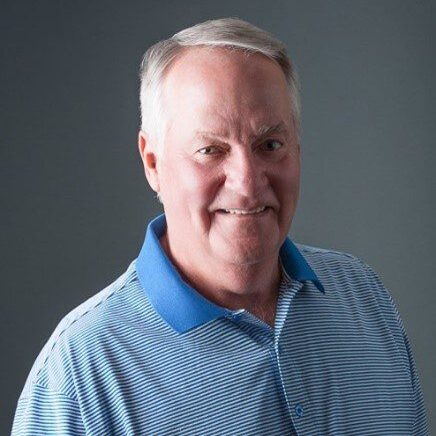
[420,427]
[43,412]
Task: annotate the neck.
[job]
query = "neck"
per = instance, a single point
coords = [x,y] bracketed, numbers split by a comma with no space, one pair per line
[252,287]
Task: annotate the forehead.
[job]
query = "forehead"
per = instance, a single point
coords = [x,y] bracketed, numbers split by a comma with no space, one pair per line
[218,87]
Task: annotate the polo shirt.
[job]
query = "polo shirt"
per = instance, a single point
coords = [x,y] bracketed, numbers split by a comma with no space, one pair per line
[149,355]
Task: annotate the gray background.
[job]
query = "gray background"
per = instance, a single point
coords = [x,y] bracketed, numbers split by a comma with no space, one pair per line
[76,201]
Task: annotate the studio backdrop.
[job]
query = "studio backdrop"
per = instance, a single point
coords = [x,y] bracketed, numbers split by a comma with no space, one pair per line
[76,202]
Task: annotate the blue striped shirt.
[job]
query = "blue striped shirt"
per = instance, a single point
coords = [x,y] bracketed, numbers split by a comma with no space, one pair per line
[149,355]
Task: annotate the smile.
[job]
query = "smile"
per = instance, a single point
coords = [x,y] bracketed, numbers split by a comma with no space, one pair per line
[244,211]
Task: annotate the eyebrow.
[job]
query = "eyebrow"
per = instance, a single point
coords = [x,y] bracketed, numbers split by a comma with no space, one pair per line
[265,130]
[262,132]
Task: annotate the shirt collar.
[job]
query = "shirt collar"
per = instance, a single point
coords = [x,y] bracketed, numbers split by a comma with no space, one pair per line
[177,302]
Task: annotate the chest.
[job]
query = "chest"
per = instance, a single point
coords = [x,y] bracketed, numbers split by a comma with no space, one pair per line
[324,380]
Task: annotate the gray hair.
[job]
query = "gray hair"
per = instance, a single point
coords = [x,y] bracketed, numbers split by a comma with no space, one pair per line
[232,33]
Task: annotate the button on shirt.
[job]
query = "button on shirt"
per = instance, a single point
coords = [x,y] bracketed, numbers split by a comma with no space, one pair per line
[149,355]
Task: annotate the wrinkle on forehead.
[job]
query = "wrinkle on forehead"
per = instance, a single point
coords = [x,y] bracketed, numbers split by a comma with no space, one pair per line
[263,131]
[243,124]
[223,94]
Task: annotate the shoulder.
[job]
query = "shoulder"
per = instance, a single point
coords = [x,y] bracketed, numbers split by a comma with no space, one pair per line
[97,311]
[83,330]
[326,253]
[339,271]
[350,280]
[319,258]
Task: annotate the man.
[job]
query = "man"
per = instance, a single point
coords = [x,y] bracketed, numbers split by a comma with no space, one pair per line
[223,325]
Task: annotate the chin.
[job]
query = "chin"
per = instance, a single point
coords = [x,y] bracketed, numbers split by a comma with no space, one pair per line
[247,255]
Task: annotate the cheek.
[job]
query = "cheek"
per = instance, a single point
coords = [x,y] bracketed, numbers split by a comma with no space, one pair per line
[190,185]
[288,180]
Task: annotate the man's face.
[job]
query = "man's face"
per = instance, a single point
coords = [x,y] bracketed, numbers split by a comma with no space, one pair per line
[229,171]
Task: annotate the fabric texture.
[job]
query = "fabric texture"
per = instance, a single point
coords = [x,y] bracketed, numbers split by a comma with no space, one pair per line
[149,355]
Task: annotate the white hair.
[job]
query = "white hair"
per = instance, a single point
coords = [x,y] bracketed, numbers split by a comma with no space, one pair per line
[232,33]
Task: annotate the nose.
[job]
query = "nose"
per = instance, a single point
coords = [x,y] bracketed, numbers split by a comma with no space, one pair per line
[246,174]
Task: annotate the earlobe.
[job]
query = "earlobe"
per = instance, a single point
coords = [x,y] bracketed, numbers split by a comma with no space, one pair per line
[149,160]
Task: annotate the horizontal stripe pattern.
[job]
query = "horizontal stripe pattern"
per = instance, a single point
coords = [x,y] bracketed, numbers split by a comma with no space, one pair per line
[336,363]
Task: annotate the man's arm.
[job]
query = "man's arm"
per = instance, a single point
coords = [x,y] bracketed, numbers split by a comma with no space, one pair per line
[44,412]
[420,427]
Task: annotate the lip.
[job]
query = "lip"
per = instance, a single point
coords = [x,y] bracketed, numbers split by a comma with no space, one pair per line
[249,215]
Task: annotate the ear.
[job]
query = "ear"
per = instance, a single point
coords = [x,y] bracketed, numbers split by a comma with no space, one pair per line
[149,160]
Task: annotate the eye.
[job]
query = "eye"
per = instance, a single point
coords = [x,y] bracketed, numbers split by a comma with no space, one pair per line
[210,149]
[272,145]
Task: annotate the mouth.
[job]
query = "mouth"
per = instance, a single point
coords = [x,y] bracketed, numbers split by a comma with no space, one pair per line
[259,211]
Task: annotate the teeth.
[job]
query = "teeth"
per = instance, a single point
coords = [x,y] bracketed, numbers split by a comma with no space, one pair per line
[245,211]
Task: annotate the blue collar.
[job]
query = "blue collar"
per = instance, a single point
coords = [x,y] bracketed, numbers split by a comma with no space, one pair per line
[179,304]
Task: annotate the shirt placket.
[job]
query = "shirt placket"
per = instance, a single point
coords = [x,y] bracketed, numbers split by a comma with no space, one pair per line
[297,401]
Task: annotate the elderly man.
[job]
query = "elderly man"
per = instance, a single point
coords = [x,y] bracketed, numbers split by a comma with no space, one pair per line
[223,325]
